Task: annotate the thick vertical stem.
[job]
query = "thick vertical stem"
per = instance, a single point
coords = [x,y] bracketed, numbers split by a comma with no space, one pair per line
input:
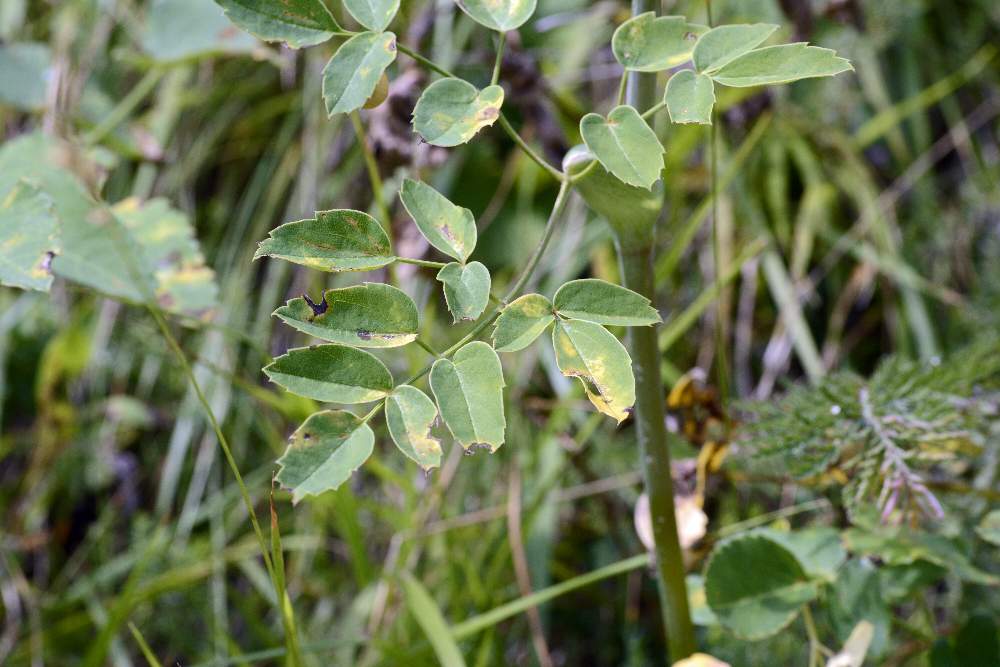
[636,258]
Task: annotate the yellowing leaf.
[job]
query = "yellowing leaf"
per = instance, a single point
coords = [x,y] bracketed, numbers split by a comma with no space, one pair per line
[29,238]
[521,322]
[409,414]
[339,240]
[647,43]
[452,111]
[589,352]
[449,228]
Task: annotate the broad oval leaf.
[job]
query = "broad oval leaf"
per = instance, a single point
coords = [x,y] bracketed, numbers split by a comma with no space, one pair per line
[451,111]
[352,74]
[409,414]
[604,303]
[24,72]
[818,549]
[625,144]
[591,353]
[373,14]
[469,393]
[690,97]
[726,43]
[989,527]
[449,228]
[29,238]
[521,322]
[323,453]
[295,22]
[499,15]
[331,373]
[366,315]
[781,64]
[755,587]
[178,30]
[466,289]
[339,240]
[647,43]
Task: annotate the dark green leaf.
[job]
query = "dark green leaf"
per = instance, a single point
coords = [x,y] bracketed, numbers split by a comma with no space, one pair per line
[323,453]
[351,75]
[781,64]
[409,414]
[591,353]
[366,315]
[726,43]
[604,303]
[296,22]
[647,43]
[466,289]
[755,586]
[29,238]
[469,393]
[449,228]
[625,144]
[332,373]
[690,98]
[452,111]
[521,322]
[339,240]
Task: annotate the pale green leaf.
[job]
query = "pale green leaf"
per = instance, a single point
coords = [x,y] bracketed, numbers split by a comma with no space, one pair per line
[647,43]
[338,240]
[591,353]
[449,228]
[521,322]
[989,527]
[351,75]
[179,30]
[899,546]
[726,43]
[690,97]
[469,393]
[295,22]
[466,289]
[428,616]
[499,15]
[701,613]
[755,586]
[373,14]
[630,211]
[625,144]
[604,303]
[451,111]
[331,373]
[29,238]
[781,64]
[365,315]
[817,548]
[25,69]
[409,414]
[323,453]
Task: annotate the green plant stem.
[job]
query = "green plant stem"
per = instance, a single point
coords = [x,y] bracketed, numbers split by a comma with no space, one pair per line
[372,166]
[815,646]
[421,262]
[125,107]
[147,652]
[635,255]
[430,350]
[622,84]
[653,110]
[502,40]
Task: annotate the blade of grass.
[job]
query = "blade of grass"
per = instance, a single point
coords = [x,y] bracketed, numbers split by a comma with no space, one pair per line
[428,616]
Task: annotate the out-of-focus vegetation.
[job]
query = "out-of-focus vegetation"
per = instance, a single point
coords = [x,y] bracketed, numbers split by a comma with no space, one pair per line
[856,301]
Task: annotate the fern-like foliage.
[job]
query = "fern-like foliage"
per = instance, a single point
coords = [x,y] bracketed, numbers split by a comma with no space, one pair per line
[882,437]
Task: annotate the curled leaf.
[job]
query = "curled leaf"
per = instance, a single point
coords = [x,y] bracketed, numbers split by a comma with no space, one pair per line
[591,353]
[451,111]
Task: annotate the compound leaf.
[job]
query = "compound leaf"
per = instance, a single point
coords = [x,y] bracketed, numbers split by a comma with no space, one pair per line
[469,393]
[332,373]
[591,353]
[781,64]
[466,289]
[726,43]
[759,605]
[499,15]
[295,22]
[690,97]
[604,303]
[373,14]
[323,453]
[409,414]
[521,322]
[353,73]
[29,238]
[365,315]
[625,144]
[449,228]
[451,111]
[178,30]
[647,43]
[339,240]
